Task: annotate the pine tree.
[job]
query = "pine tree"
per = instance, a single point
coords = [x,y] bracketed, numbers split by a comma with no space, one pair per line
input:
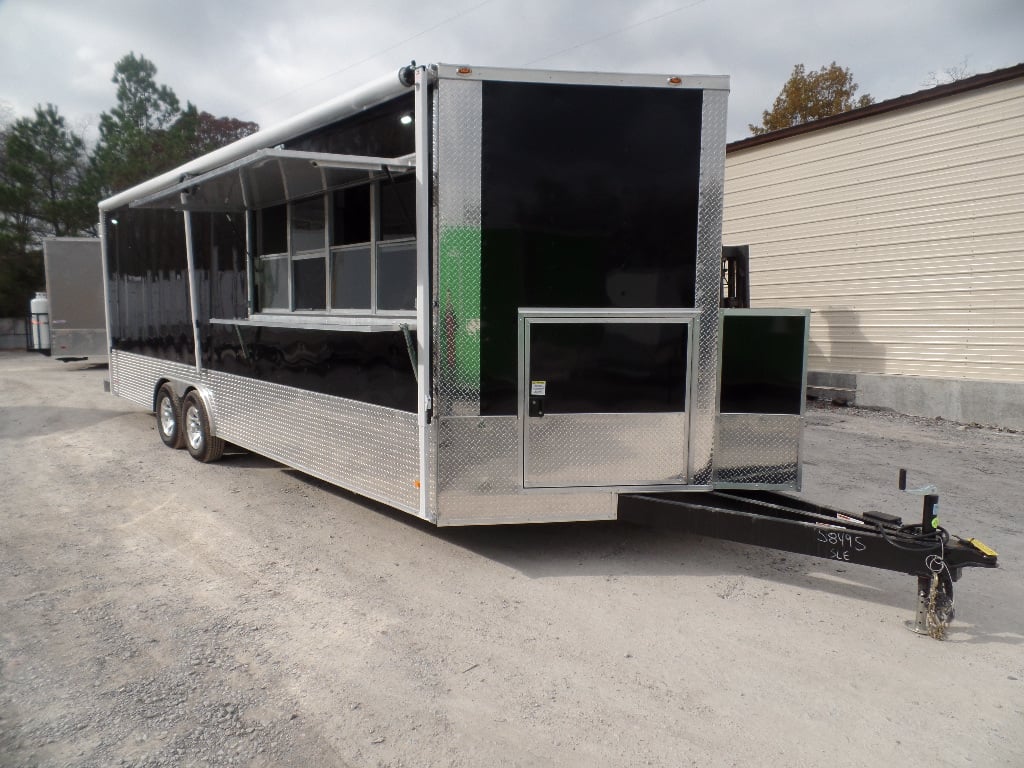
[45,191]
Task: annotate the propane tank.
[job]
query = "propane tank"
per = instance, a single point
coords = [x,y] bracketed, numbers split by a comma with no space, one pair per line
[39,308]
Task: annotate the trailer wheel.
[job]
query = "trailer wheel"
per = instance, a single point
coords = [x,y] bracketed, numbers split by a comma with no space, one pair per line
[168,417]
[201,444]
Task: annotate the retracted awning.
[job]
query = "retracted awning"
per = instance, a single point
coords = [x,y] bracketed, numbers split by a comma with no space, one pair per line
[271,176]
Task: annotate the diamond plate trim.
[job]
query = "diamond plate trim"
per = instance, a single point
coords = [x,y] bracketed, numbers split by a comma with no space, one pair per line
[435,230]
[709,282]
[457,318]
[431,479]
[606,449]
[758,449]
[480,479]
[365,448]
[134,377]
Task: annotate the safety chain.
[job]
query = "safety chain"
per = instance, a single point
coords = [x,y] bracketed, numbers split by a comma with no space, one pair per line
[936,625]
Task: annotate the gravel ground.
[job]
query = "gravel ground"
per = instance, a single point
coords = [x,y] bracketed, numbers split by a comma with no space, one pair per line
[159,612]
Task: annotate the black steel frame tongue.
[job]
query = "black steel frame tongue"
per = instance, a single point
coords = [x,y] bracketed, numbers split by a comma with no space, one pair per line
[783,522]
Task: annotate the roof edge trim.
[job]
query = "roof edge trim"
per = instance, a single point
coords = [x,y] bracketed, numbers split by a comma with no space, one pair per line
[353,102]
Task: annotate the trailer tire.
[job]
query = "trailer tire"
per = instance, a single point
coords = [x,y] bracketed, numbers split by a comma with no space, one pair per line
[201,444]
[168,417]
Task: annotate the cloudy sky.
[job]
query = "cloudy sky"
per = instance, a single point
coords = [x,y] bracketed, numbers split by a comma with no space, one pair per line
[265,60]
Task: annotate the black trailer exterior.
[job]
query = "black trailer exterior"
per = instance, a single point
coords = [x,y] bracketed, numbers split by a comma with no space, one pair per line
[478,295]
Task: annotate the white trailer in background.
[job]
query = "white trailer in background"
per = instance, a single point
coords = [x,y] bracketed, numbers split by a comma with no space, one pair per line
[74,286]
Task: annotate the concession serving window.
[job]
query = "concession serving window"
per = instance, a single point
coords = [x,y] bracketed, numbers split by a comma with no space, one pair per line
[331,233]
[270,177]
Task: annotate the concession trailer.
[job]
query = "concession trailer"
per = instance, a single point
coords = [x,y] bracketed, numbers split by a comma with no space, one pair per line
[482,296]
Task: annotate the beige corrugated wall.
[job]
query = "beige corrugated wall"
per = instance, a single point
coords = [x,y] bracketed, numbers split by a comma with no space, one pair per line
[903,232]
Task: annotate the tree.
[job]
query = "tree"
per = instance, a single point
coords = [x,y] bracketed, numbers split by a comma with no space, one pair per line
[808,96]
[44,192]
[50,185]
[137,137]
[202,132]
[148,132]
[952,74]
[211,132]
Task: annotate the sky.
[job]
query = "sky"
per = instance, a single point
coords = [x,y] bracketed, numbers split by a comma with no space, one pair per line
[265,60]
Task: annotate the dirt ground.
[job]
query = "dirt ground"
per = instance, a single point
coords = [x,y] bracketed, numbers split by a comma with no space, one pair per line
[159,612]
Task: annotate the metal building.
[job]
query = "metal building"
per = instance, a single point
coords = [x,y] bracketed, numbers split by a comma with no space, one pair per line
[900,225]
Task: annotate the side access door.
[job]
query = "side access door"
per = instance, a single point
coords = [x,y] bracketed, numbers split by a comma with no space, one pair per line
[604,397]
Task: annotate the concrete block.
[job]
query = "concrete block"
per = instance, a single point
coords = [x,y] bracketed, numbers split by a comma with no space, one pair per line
[992,403]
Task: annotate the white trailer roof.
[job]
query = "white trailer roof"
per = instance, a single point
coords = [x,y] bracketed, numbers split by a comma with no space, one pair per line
[268,177]
[155,192]
[348,104]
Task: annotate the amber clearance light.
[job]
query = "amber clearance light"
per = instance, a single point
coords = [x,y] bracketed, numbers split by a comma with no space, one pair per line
[675,81]
[464,71]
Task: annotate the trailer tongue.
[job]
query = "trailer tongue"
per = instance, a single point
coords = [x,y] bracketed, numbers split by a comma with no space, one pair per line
[877,539]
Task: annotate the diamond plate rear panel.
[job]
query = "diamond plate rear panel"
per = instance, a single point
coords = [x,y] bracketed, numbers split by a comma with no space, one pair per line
[78,342]
[457,318]
[368,449]
[758,449]
[709,283]
[480,479]
[606,449]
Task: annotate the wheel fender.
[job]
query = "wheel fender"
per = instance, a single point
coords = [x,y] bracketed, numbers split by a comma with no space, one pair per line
[180,387]
[206,394]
